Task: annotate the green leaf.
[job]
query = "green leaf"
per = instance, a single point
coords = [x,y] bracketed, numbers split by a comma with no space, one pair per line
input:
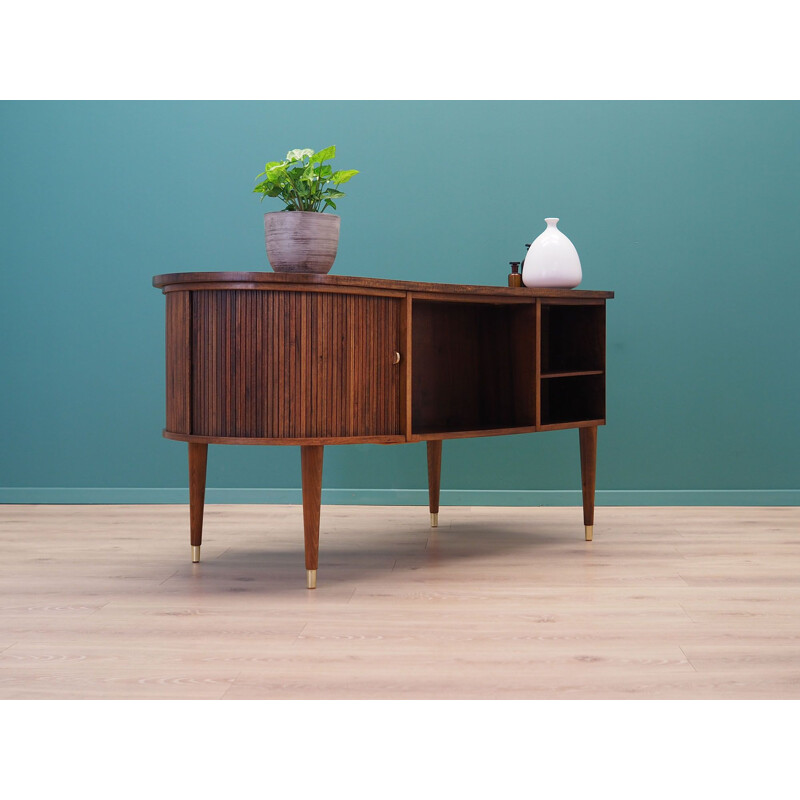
[298,155]
[310,174]
[324,154]
[329,203]
[268,167]
[276,173]
[333,193]
[343,175]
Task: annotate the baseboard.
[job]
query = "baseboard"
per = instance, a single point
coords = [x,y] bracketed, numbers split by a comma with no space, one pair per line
[409,497]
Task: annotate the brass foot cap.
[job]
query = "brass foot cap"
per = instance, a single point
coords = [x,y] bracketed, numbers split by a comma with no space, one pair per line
[435,520]
[311,578]
[195,554]
[589,532]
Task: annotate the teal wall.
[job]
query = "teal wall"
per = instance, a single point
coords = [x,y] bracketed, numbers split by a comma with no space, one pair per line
[690,211]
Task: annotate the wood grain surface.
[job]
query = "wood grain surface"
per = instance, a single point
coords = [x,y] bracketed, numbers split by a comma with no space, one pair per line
[198,464]
[678,603]
[181,281]
[473,367]
[434,474]
[588,450]
[281,365]
[179,361]
[260,358]
[311,457]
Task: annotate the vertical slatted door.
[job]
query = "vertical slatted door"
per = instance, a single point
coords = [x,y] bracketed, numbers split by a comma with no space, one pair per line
[289,364]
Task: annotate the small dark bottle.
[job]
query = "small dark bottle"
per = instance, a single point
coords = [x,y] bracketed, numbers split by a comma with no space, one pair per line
[514,278]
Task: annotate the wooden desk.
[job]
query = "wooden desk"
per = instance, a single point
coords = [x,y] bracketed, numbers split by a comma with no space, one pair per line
[310,360]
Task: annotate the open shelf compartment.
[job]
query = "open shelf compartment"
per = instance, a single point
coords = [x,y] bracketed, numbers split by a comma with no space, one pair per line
[573,339]
[572,385]
[473,366]
[578,398]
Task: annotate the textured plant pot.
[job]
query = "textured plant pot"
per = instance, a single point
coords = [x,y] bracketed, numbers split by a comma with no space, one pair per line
[301,241]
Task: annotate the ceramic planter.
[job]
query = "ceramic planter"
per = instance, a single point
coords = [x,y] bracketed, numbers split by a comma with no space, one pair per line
[301,241]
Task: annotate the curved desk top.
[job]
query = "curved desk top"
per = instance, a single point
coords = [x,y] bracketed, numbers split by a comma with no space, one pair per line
[181,281]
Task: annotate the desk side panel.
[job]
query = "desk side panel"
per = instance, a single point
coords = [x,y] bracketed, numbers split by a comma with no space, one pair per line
[178,352]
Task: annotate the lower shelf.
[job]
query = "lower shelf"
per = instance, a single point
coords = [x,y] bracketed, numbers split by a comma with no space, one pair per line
[573,399]
[419,434]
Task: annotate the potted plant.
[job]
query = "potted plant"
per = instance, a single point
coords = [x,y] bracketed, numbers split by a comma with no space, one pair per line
[302,238]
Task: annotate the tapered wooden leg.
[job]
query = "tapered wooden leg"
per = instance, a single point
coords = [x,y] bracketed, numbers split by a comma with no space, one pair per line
[311,467]
[198,457]
[588,438]
[434,478]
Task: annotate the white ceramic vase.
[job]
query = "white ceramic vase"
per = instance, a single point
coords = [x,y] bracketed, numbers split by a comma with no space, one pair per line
[552,260]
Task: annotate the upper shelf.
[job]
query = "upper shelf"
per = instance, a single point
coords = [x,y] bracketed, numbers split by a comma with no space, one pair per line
[184,280]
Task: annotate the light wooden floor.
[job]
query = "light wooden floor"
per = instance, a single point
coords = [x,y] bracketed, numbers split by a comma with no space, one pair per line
[102,602]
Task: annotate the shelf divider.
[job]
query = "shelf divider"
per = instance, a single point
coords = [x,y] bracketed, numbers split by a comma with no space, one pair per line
[572,374]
